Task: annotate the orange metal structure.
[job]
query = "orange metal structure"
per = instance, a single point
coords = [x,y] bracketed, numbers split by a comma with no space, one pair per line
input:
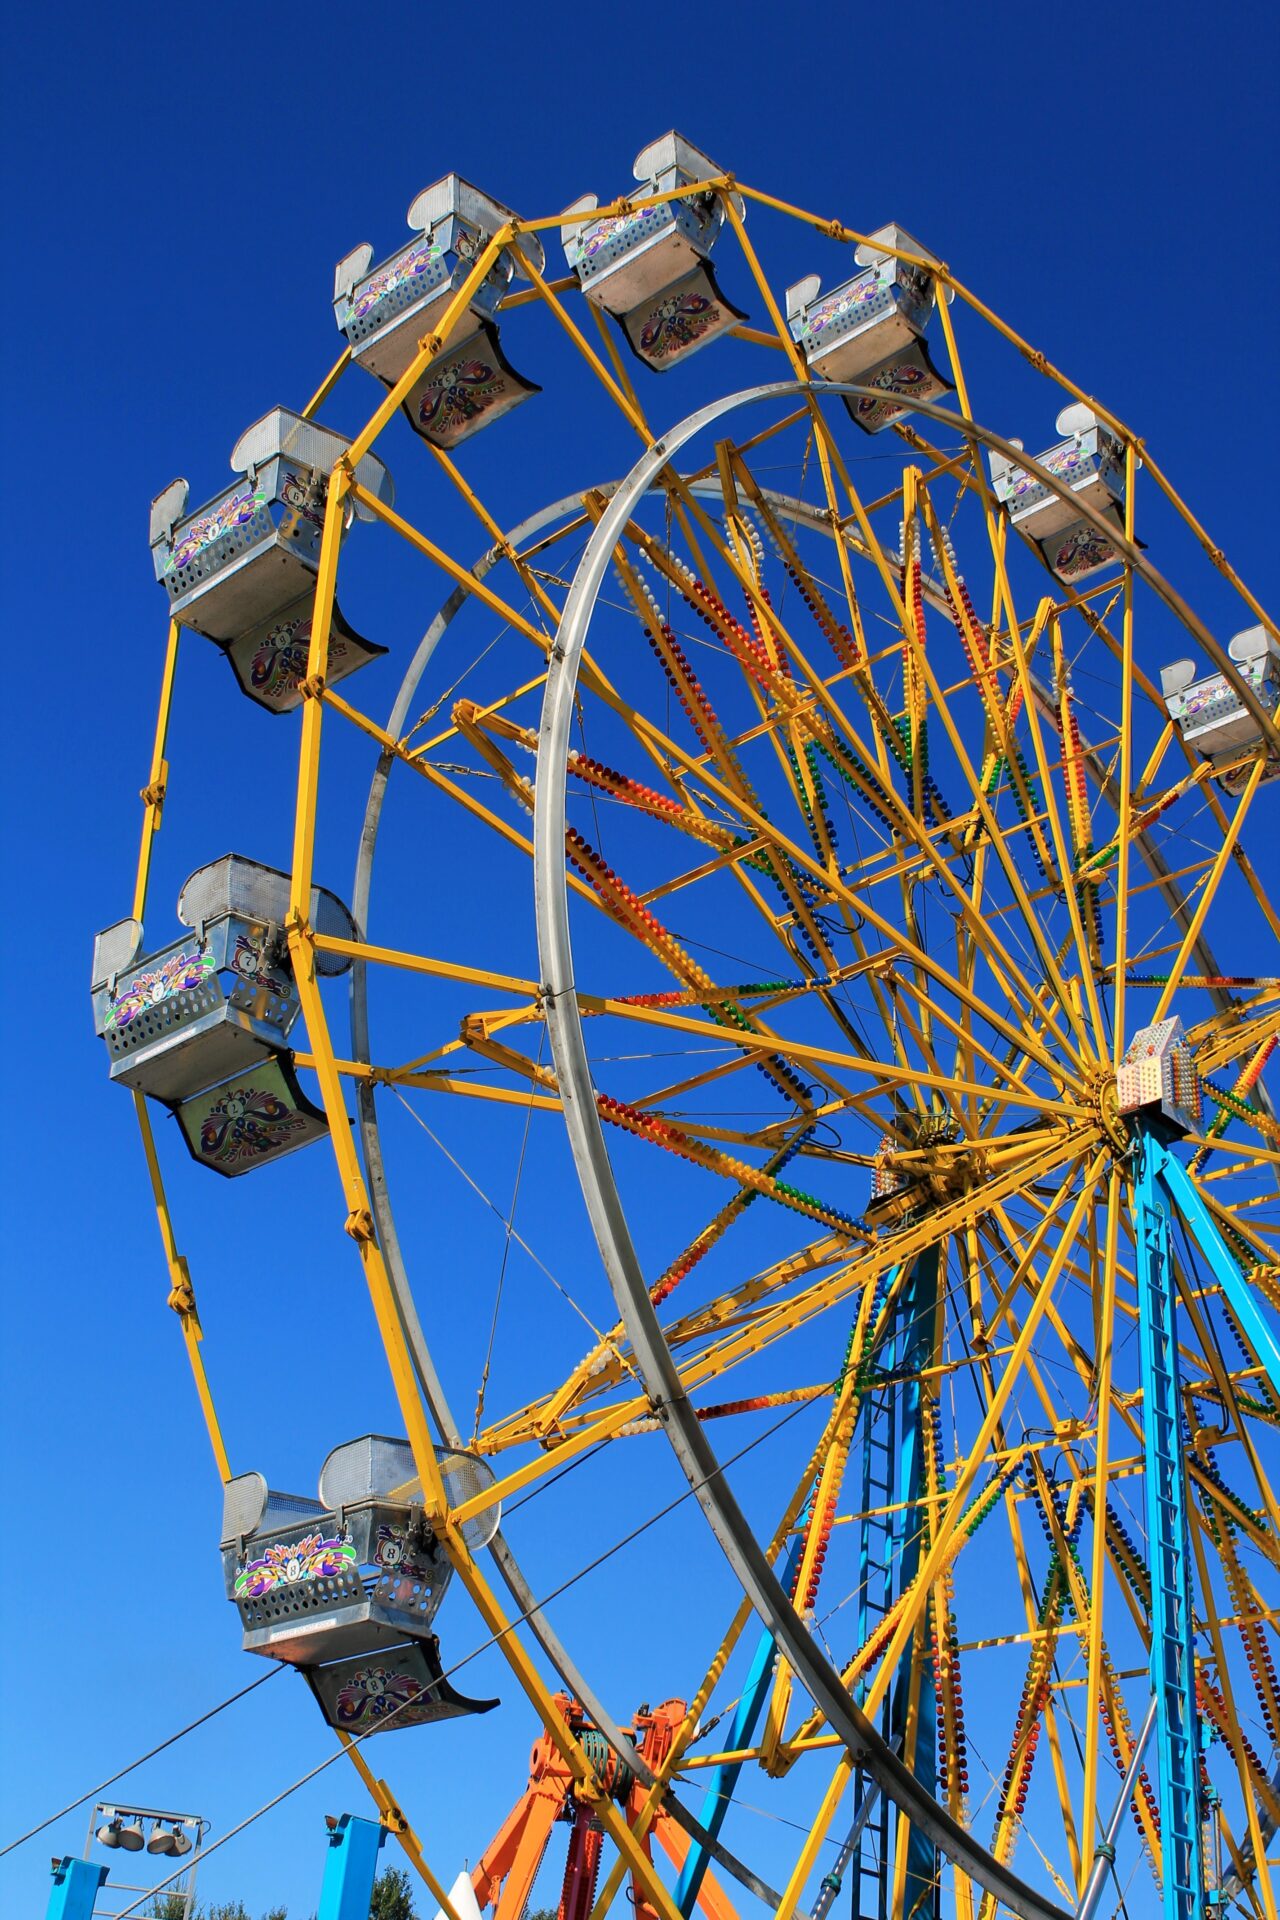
[504,1876]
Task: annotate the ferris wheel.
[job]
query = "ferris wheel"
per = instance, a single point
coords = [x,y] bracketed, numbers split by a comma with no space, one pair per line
[869,811]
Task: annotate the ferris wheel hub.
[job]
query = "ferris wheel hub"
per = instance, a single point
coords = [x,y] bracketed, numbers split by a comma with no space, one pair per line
[1158,1076]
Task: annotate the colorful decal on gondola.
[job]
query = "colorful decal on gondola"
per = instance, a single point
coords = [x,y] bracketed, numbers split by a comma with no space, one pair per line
[1081,550]
[250,961]
[380,1694]
[395,1552]
[178,974]
[899,378]
[279,661]
[391,1548]
[859,293]
[1069,463]
[312,1558]
[589,243]
[234,512]
[457,396]
[247,1122]
[675,324]
[410,266]
[304,497]
[270,668]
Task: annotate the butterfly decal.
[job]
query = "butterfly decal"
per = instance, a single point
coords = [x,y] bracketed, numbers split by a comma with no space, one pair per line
[675,324]
[311,1558]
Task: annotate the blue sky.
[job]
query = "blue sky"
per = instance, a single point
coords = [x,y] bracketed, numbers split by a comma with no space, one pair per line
[182,186]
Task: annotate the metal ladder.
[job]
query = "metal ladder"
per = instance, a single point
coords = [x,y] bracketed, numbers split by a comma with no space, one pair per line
[893,1476]
[878,1545]
[1172,1625]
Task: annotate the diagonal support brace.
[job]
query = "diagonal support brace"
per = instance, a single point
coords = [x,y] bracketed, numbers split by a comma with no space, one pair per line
[1240,1297]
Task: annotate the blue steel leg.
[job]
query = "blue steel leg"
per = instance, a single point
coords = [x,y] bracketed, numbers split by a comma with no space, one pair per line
[724,1778]
[74,1890]
[1173,1677]
[893,1427]
[918,1311]
[1240,1296]
[349,1869]
[879,1546]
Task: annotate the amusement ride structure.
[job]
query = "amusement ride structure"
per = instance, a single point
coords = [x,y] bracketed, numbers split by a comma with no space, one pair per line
[904,989]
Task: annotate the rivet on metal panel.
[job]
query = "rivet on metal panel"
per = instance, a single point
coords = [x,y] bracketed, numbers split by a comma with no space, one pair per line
[313,687]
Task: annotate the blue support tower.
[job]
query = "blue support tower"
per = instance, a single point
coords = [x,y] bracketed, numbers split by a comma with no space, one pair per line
[724,1778]
[74,1890]
[919,1309]
[893,1476]
[893,1482]
[878,1547]
[1173,1675]
[349,1868]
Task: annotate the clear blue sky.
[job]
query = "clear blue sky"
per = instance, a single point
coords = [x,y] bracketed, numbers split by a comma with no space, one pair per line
[180,185]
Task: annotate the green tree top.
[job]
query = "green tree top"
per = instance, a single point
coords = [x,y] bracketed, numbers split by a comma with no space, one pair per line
[393,1896]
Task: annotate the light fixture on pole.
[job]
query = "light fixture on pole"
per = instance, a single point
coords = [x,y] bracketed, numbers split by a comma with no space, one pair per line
[172,1839]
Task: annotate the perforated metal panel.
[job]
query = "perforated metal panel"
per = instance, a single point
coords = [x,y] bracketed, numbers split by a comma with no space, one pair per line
[409,278]
[305,1599]
[254,548]
[364,1468]
[409,1591]
[163,1017]
[202,547]
[1088,461]
[625,258]
[860,324]
[465,1476]
[250,1506]
[115,949]
[1211,715]
[184,1019]
[385,312]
